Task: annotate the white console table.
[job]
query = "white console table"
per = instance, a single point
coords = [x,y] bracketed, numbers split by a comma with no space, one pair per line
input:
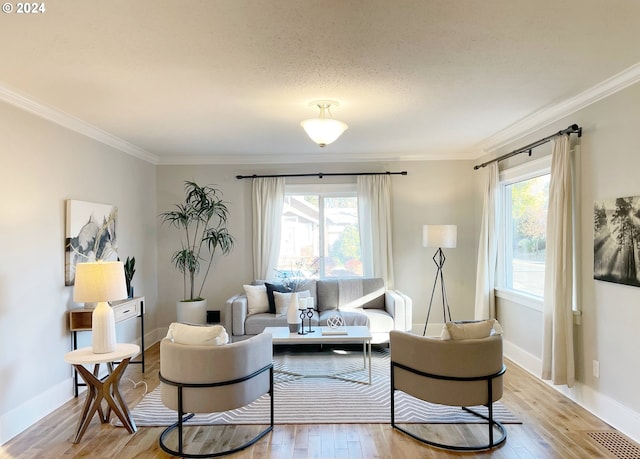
[80,319]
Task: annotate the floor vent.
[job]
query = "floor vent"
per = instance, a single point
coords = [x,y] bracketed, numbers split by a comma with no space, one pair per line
[616,444]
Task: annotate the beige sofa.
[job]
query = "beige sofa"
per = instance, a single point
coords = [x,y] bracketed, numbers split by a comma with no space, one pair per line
[360,301]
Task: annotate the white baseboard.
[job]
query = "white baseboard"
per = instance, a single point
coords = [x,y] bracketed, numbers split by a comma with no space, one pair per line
[23,416]
[604,407]
[33,410]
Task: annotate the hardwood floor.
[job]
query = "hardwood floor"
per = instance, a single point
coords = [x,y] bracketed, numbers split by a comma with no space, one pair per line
[553,427]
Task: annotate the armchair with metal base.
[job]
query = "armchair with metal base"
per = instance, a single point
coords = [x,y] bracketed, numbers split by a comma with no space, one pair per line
[211,379]
[460,373]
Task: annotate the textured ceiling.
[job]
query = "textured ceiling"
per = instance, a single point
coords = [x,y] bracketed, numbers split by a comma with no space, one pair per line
[230,80]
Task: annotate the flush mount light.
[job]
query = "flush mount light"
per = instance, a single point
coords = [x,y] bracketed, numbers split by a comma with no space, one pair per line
[323,130]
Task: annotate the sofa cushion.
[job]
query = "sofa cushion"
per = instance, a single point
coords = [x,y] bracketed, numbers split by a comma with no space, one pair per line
[283,300]
[351,318]
[379,321]
[468,330]
[256,323]
[327,295]
[274,288]
[257,300]
[310,285]
[374,289]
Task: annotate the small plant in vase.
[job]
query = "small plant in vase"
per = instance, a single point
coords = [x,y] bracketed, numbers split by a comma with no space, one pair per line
[129,271]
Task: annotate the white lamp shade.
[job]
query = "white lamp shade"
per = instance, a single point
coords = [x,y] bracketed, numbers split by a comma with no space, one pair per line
[440,236]
[323,131]
[99,281]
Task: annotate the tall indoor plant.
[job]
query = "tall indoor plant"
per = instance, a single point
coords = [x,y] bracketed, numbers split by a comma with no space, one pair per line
[202,220]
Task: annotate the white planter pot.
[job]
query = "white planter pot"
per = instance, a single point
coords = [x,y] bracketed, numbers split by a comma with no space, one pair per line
[192,312]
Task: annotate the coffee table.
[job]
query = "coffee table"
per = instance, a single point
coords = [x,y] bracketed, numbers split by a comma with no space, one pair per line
[347,335]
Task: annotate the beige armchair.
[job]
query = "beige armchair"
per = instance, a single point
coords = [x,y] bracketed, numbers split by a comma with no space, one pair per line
[456,372]
[209,379]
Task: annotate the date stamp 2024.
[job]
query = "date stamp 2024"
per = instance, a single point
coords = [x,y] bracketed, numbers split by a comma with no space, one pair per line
[24,8]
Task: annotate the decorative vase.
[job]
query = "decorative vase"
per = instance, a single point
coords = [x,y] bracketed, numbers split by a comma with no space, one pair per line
[192,312]
[103,329]
[293,318]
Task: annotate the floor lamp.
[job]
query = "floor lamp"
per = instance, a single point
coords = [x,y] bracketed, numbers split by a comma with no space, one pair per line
[440,236]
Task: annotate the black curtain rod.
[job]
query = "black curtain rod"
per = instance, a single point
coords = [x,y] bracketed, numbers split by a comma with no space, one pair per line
[320,174]
[573,129]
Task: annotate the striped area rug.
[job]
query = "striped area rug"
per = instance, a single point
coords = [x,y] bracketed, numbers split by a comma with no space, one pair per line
[317,400]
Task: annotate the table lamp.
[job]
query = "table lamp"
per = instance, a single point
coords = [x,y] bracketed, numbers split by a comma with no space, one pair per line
[440,236]
[101,281]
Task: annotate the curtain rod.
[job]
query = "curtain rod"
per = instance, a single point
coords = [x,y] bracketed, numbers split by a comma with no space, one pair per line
[320,174]
[573,129]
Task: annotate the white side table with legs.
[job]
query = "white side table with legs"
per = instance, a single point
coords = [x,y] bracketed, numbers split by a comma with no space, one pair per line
[106,389]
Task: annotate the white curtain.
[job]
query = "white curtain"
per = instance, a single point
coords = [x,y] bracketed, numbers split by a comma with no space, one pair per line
[374,215]
[485,307]
[557,356]
[267,201]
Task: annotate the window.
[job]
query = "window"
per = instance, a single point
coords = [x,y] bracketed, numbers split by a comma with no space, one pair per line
[320,233]
[525,199]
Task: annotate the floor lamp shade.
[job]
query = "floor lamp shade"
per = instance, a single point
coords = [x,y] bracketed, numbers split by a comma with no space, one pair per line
[100,282]
[440,236]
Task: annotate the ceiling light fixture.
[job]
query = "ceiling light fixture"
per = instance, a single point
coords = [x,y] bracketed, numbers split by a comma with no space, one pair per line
[323,130]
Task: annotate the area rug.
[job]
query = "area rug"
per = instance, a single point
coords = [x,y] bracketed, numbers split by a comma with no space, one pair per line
[321,400]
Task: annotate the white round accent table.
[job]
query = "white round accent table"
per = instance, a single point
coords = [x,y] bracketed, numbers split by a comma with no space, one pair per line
[107,389]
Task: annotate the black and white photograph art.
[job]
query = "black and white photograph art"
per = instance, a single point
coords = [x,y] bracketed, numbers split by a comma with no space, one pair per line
[616,240]
[91,235]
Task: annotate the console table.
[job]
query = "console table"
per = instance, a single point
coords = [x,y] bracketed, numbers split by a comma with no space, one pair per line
[80,319]
[107,389]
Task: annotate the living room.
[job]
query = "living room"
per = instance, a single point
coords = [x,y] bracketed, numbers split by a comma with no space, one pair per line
[49,157]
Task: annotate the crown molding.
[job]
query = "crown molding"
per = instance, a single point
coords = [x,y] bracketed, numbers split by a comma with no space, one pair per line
[302,158]
[516,131]
[74,124]
[549,115]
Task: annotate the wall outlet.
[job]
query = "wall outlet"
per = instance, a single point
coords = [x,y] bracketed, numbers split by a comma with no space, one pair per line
[596,369]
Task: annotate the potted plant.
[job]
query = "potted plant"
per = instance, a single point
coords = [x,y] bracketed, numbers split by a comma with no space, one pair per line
[129,271]
[202,221]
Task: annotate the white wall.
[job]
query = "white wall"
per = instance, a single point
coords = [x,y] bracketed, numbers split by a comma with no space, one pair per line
[432,192]
[608,163]
[42,165]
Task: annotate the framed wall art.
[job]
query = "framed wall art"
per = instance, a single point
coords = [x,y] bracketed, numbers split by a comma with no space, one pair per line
[90,235]
[616,241]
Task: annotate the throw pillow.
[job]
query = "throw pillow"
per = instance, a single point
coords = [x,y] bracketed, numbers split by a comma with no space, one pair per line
[198,335]
[270,298]
[468,330]
[257,300]
[283,300]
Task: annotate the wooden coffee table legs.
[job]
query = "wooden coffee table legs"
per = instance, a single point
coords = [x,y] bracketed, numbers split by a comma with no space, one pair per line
[98,390]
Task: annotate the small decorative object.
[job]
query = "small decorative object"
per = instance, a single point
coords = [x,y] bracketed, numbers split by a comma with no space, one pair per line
[292,313]
[335,321]
[615,243]
[309,316]
[90,235]
[101,282]
[129,271]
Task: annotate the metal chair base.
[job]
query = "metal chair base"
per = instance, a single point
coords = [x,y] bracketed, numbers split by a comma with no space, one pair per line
[492,443]
[173,452]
